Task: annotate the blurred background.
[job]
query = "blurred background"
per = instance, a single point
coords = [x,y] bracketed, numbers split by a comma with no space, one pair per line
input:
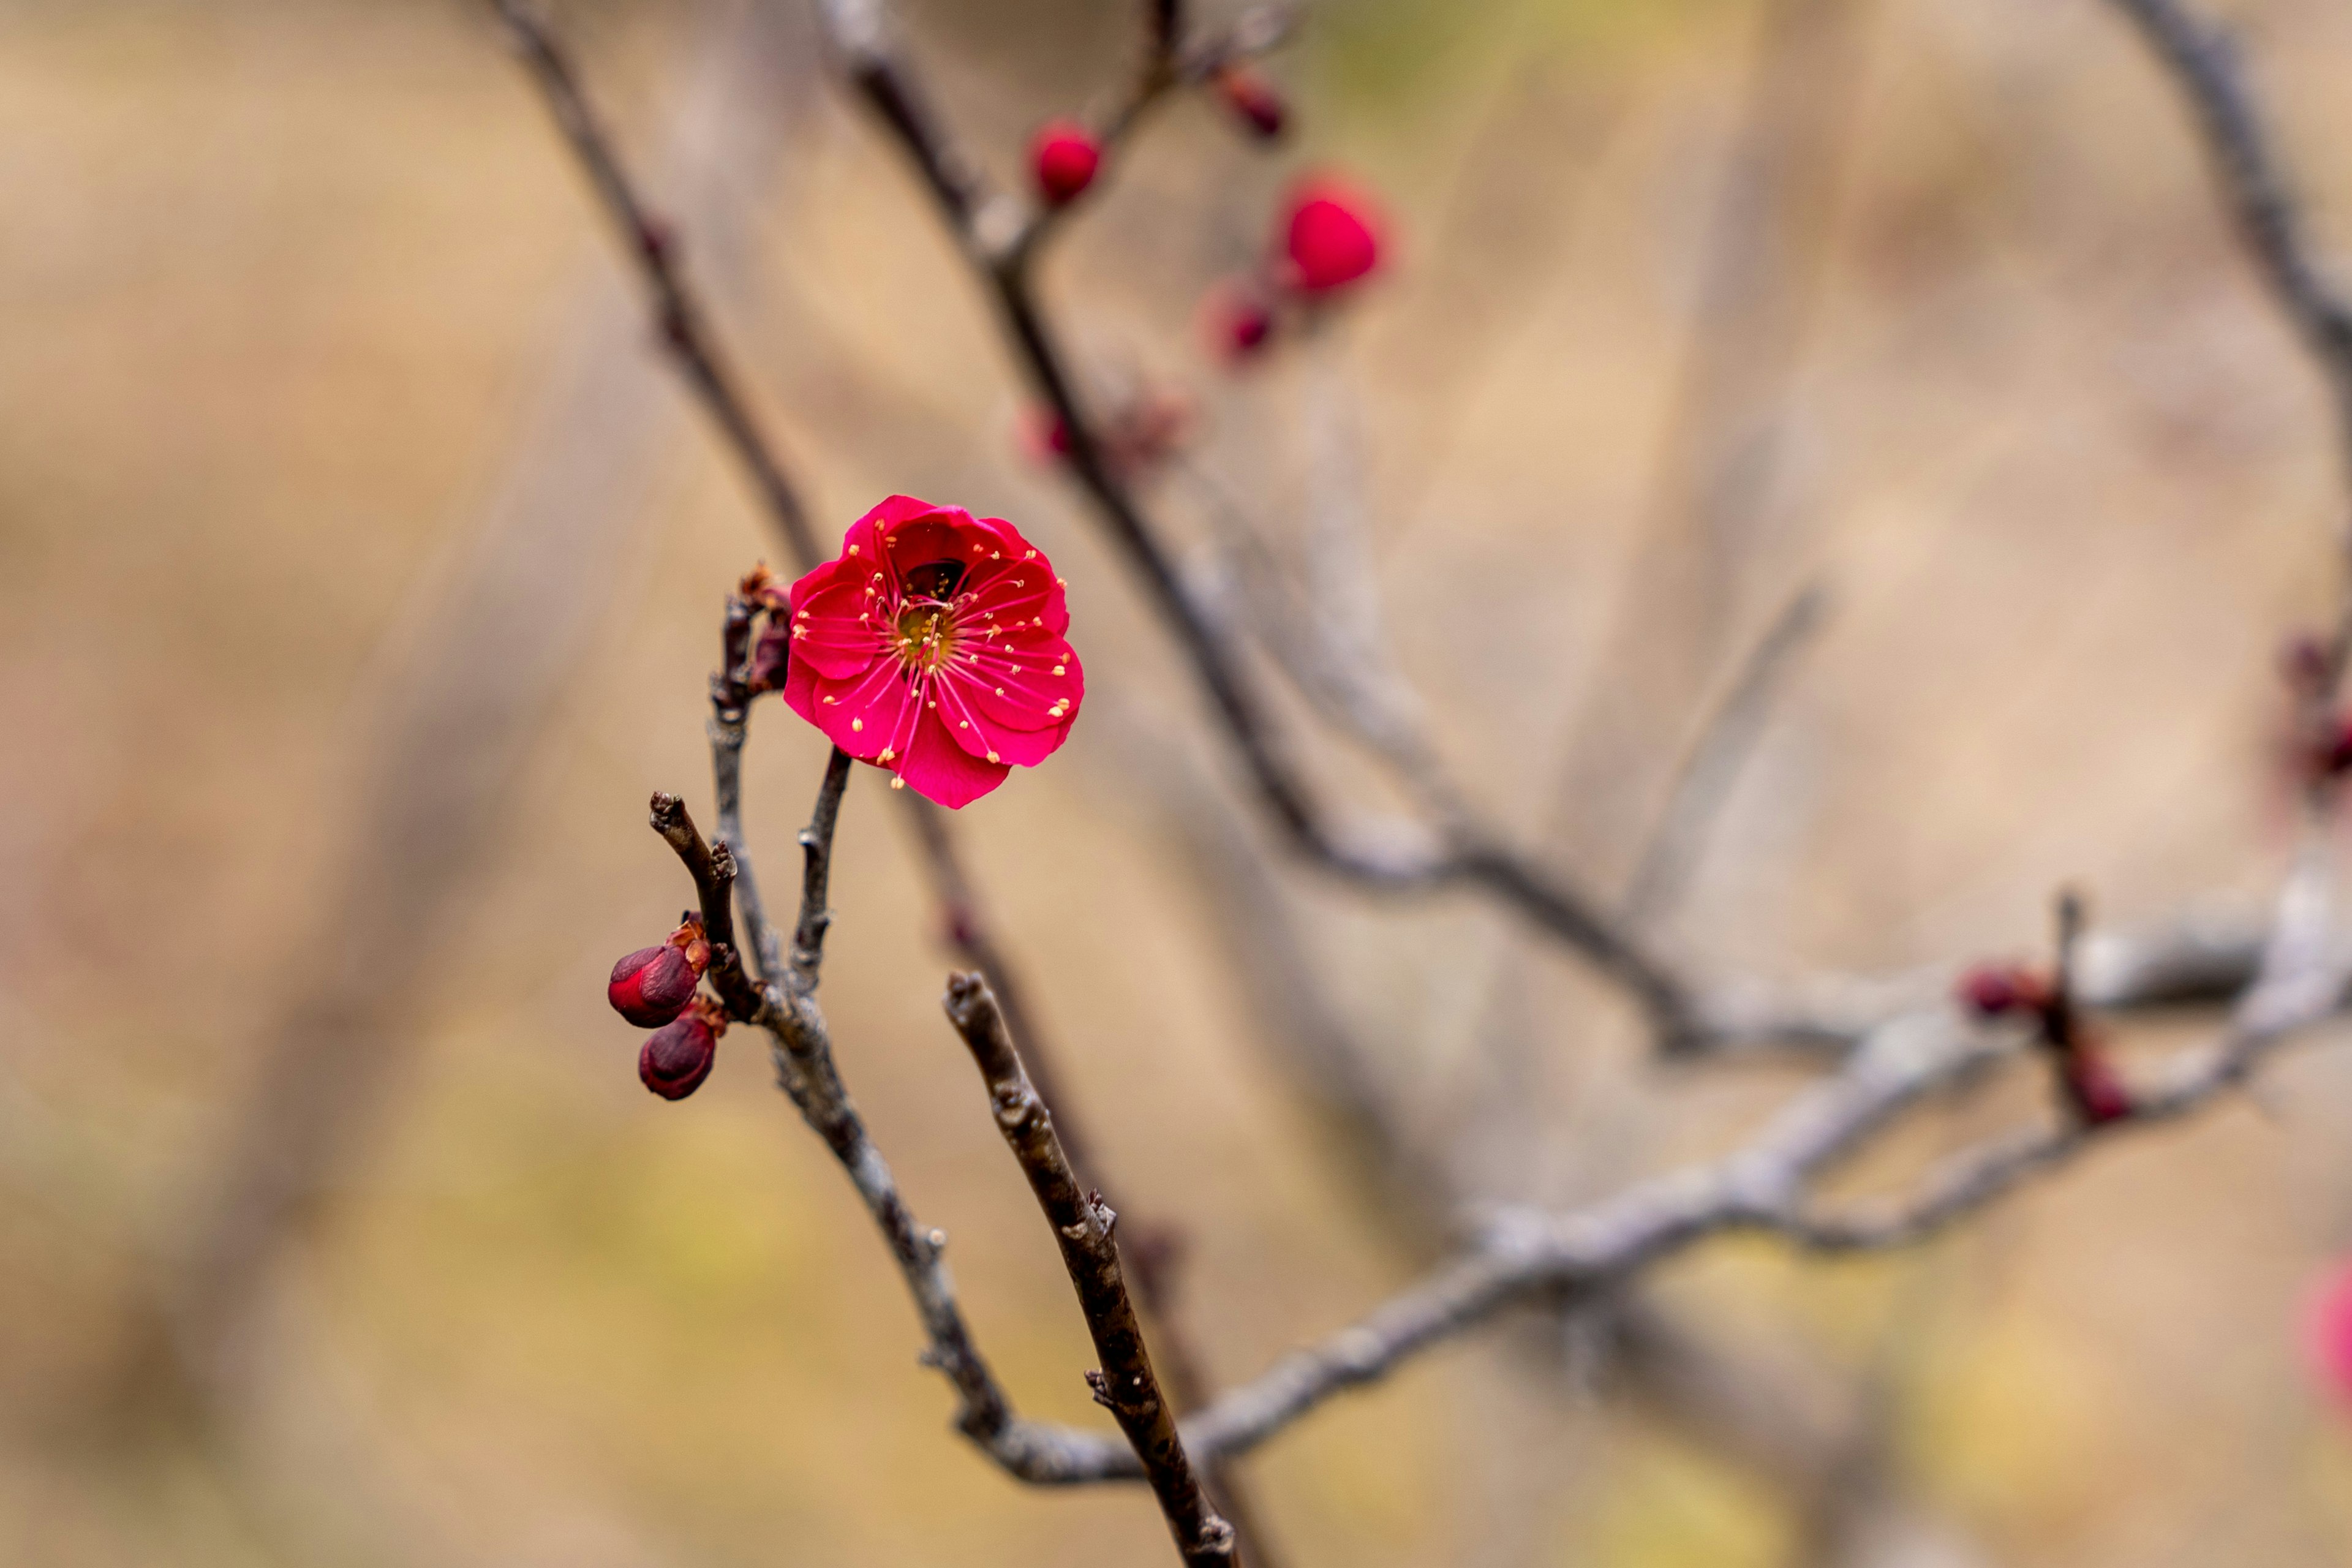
[360,568]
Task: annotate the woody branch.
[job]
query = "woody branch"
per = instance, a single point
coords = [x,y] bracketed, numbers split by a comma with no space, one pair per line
[1081,1224]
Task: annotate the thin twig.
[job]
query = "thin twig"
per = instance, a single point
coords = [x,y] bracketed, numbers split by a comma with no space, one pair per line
[2203,63]
[1155,1247]
[816,873]
[1082,1226]
[1712,763]
[655,245]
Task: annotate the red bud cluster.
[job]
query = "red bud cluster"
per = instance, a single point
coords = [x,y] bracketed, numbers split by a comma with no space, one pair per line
[2093,1090]
[1327,241]
[654,989]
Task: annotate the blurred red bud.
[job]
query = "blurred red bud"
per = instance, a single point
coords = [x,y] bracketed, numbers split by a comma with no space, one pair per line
[1237,321]
[2303,662]
[1042,436]
[1063,159]
[678,1057]
[1253,101]
[2098,1096]
[1996,990]
[2334,754]
[1331,237]
[653,985]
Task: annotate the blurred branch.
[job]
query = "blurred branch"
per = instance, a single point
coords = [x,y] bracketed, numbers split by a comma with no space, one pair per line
[1710,519]
[2203,61]
[1766,1186]
[1082,1227]
[459,690]
[1464,853]
[655,245]
[1711,764]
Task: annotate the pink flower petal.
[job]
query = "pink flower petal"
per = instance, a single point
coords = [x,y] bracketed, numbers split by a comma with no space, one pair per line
[972,728]
[865,715]
[830,628]
[1015,684]
[2327,1330]
[938,769]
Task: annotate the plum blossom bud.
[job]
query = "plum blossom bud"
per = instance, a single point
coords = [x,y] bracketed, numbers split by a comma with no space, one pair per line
[1252,100]
[1063,159]
[1042,436]
[1331,237]
[2303,664]
[2331,753]
[2097,1095]
[1998,990]
[653,985]
[676,1056]
[1237,321]
[770,656]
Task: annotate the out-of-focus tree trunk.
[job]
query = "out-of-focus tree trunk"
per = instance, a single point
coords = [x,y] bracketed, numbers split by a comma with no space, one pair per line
[461,691]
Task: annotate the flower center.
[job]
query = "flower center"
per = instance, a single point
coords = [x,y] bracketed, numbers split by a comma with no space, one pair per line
[926,634]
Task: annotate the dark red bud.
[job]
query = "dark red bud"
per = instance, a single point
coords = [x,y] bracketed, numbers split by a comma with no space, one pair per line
[653,985]
[1253,101]
[2097,1095]
[1043,437]
[678,1057]
[1237,321]
[770,656]
[2335,753]
[658,240]
[1063,159]
[1991,991]
[2303,662]
[1995,990]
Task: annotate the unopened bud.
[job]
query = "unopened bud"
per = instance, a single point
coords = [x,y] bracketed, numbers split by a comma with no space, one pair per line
[1330,237]
[1043,437]
[1237,321]
[653,985]
[1253,101]
[1063,159]
[676,1056]
[2302,663]
[2097,1095]
[771,653]
[1997,989]
[2332,756]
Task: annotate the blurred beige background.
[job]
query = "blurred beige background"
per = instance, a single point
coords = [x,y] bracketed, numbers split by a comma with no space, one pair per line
[316,357]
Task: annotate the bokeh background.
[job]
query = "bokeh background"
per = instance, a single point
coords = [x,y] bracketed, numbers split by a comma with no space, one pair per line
[359,569]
